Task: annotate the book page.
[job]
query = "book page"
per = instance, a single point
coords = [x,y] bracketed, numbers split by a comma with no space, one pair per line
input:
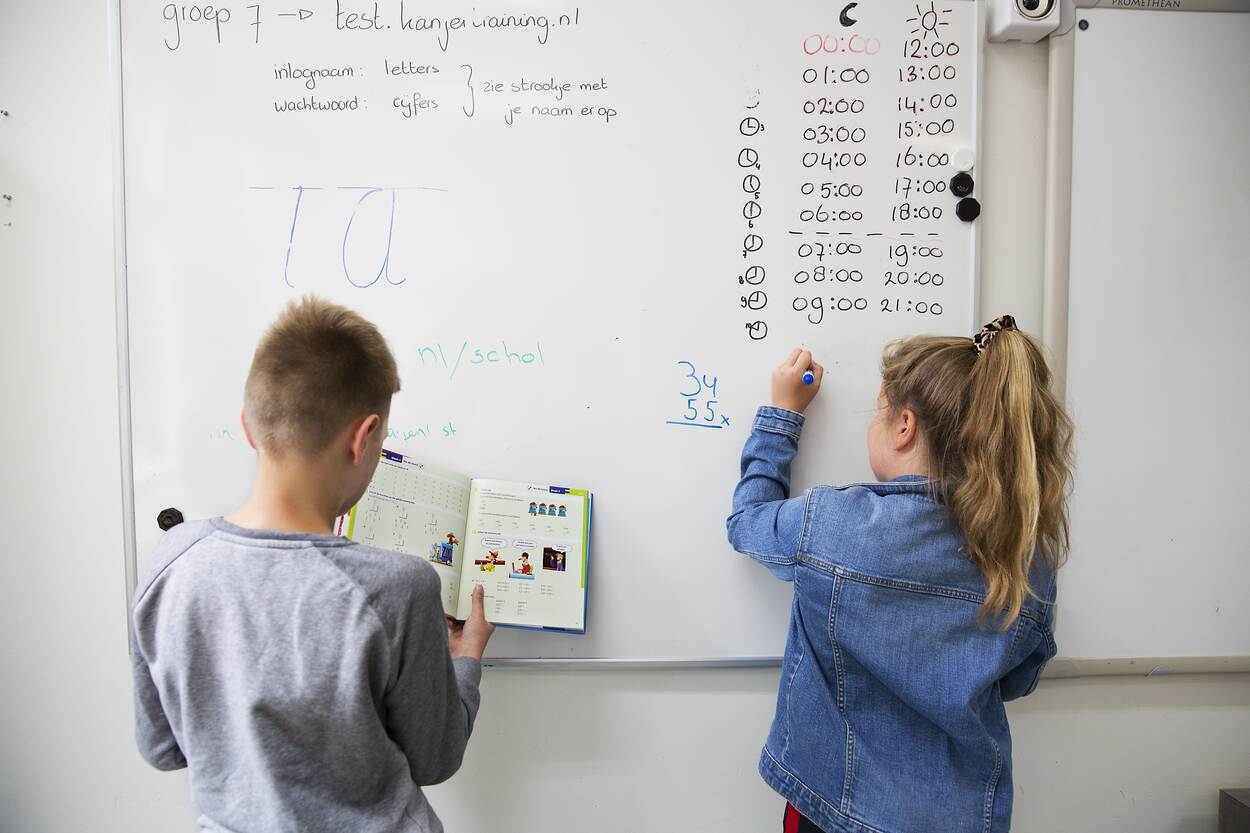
[528,546]
[419,510]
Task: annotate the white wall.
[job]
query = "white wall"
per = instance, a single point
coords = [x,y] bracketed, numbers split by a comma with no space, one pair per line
[624,751]
[667,751]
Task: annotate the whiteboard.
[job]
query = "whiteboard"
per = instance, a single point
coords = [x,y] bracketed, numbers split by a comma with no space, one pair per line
[584,285]
[1161,353]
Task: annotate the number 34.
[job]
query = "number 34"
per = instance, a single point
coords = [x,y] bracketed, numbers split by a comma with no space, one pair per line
[700,383]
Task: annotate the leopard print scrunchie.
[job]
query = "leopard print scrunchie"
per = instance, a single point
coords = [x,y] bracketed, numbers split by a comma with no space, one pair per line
[982,339]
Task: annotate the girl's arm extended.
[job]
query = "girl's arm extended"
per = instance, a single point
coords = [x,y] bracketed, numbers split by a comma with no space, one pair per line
[766,524]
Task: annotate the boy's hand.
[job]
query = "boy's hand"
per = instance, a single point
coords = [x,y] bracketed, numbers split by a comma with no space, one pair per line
[469,638]
[789,391]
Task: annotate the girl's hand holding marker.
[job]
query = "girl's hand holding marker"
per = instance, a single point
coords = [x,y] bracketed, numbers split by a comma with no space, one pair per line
[797,381]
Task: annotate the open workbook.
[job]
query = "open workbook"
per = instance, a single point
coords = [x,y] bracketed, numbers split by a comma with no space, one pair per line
[527,545]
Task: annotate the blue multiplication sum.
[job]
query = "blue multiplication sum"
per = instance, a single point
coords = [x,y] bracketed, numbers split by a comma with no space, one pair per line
[698,391]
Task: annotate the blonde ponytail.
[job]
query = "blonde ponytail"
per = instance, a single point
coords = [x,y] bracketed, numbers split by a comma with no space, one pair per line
[999,450]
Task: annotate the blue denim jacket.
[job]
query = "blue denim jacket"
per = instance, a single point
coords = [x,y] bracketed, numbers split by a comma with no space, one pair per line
[890,713]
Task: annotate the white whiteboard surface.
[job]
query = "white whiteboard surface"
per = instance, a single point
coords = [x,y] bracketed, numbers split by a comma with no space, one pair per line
[1159,348]
[601,252]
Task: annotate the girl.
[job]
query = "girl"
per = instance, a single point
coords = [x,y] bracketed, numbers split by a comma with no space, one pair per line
[921,602]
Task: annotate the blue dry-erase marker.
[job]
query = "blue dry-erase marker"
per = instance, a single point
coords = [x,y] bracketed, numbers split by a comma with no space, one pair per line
[808,377]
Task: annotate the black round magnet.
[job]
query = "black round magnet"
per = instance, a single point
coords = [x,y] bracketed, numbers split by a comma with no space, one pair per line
[169,518]
[961,184]
[968,209]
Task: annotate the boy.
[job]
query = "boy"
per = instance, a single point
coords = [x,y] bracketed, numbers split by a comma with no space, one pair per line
[309,683]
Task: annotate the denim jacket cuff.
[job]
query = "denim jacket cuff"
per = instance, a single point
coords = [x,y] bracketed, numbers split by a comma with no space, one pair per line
[779,421]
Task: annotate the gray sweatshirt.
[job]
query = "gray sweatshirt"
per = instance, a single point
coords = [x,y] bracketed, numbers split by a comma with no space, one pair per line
[304,680]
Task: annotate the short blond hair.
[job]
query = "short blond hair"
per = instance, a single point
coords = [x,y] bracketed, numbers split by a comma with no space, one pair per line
[318,367]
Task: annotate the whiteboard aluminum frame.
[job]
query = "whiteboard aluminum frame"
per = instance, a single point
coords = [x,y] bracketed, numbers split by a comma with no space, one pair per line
[1166,5]
[1060,668]
[122,306]
[1057,209]
[978,138]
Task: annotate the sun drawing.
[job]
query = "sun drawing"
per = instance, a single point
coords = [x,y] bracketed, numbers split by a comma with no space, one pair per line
[928,20]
